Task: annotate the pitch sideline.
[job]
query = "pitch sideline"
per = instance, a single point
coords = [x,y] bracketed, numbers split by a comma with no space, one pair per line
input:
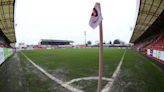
[72,89]
[110,83]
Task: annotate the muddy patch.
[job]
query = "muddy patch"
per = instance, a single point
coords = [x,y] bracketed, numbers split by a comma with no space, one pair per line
[125,82]
[19,75]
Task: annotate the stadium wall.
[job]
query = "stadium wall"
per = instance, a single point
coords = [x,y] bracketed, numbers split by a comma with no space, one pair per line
[156,54]
[5,53]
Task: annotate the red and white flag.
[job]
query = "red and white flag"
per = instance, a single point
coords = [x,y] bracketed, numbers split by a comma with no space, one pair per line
[96,16]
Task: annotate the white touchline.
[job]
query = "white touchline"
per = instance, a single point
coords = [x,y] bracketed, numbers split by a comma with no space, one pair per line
[72,89]
[110,83]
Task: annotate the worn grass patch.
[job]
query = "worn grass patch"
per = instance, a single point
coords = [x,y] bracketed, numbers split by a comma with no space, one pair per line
[88,85]
[19,75]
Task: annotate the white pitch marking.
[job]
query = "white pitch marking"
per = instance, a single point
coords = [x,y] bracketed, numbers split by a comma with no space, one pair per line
[110,83]
[86,78]
[72,89]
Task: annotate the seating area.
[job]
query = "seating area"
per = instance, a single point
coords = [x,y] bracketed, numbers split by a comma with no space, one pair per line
[153,47]
[157,43]
[2,44]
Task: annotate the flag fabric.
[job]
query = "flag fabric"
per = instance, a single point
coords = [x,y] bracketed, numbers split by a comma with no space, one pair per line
[96,16]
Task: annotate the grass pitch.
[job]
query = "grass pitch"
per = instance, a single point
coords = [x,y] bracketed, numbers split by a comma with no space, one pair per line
[137,74]
[17,74]
[76,63]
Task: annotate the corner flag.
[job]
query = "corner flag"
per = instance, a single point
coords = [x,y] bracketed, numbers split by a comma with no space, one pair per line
[95,20]
[96,17]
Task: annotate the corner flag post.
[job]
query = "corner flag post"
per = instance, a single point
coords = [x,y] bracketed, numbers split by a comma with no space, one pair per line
[95,20]
[101,58]
[101,55]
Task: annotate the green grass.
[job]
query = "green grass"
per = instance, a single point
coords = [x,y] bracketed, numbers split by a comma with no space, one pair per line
[32,78]
[19,75]
[36,81]
[77,62]
[138,74]
[88,85]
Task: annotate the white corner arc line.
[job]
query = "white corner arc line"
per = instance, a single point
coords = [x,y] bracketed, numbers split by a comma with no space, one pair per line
[72,89]
[86,78]
[110,84]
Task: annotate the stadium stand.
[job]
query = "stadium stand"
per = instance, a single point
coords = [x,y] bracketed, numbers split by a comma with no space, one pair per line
[148,35]
[4,42]
[56,43]
[7,32]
